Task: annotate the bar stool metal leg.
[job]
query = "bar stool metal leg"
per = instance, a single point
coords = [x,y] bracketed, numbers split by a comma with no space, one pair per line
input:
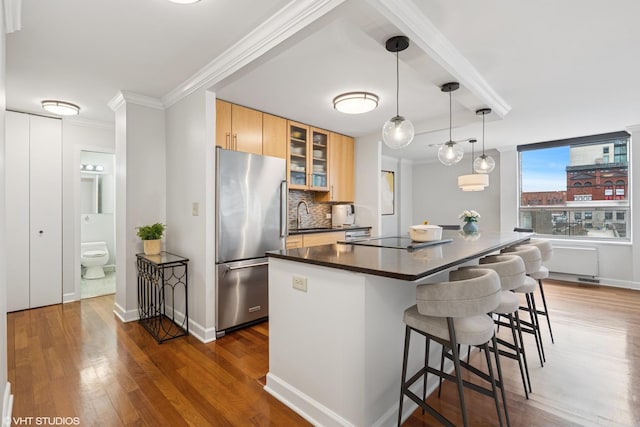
[546,311]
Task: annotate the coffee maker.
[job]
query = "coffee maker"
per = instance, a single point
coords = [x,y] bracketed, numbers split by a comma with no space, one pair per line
[342,215]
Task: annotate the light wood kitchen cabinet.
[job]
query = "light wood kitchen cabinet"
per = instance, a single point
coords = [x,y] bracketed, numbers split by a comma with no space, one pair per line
[293,242]
[308,153]
[315,239]
[274,136]
[341,166]
[238,128]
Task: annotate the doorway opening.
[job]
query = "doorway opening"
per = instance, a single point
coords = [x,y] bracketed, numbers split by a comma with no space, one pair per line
[97,224]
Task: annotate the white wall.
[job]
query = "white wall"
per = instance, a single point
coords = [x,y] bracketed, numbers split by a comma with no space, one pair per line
[367,182]
[140,191]
[437,198]
[77,135]
[190,165]
[399,222]
[3,256]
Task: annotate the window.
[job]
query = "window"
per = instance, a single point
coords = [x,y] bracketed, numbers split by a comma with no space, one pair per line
[585,184]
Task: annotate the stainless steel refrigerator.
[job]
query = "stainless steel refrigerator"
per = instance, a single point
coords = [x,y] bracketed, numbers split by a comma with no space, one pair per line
[251,218]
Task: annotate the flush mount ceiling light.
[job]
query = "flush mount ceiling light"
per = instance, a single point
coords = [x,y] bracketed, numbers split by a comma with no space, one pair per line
[473,181]
[355,102]
[60,107]
[450,152]
[398,131]
[484,163]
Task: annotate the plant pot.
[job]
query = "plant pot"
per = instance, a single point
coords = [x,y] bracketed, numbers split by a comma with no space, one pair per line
[470,227]
[152,247]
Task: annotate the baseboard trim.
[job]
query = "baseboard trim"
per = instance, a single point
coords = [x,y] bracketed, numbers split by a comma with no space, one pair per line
[595,281]
[124,315]
[7,406]
[308,408]
[69,297]
[204,335]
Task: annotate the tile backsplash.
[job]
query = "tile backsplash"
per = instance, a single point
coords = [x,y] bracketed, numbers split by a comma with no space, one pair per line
[317,216]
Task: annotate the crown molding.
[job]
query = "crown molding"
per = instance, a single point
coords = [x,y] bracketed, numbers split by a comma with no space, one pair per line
[125,96]
[408,18]
[633,129]
[294,16]
[12,15]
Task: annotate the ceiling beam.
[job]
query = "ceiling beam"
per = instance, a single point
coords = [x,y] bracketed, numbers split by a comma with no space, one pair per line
[411,21]
[283,24]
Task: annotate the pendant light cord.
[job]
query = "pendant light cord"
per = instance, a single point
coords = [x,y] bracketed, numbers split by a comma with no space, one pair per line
[450,140]
[483,114]
[473,157]
[397,82]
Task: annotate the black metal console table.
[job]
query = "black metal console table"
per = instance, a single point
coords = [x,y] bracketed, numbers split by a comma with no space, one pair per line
[162,295]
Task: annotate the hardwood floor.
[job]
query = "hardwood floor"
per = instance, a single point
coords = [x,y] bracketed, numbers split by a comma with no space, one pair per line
[78,360]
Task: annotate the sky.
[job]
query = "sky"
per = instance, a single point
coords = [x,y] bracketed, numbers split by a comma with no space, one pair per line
[544,170]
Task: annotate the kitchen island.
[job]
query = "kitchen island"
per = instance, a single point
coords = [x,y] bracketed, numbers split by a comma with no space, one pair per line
[335,324]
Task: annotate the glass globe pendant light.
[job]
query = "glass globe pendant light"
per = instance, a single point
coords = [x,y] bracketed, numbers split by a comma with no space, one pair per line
[484,163]
[450,152]
[397,132]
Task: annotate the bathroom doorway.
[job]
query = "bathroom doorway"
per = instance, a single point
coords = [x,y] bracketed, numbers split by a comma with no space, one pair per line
[97,224]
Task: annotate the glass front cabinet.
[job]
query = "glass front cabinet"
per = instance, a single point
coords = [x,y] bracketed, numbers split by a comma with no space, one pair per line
[308,154]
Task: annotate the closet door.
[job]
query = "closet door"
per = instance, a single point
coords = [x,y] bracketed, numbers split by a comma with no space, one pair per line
[17,209]
[45,208]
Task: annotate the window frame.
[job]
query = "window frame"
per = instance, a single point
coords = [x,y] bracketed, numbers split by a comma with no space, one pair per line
[618,203]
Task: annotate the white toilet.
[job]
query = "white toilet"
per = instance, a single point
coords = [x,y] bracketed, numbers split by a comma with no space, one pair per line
[93,256]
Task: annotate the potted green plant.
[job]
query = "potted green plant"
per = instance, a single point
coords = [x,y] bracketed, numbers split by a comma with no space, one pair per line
[151,236]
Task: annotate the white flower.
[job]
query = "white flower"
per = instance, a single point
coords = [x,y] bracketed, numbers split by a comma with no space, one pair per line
[469,215]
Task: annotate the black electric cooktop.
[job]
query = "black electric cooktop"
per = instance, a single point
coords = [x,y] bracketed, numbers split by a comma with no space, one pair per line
[397,242]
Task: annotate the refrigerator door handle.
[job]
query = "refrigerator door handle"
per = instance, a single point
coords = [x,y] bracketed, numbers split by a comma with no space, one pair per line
[238,267]
[284,191]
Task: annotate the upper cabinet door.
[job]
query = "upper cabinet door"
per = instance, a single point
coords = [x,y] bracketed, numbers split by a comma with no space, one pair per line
[274,136]
[223,124]
[319,151]
[246,127]
[297,156]
[341,164]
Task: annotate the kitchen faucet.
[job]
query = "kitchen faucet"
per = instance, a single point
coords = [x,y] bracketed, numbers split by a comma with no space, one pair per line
[299,219]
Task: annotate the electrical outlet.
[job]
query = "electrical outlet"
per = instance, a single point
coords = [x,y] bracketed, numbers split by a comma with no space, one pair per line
[328,216]
[300,283]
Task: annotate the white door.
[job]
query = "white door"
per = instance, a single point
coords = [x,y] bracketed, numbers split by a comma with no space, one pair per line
[45,208]
[33,211]
[17,209]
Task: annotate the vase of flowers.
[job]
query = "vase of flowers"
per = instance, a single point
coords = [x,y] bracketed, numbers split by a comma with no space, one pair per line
[470,218]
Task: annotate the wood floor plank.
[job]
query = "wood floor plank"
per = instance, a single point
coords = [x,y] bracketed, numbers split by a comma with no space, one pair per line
[78,359]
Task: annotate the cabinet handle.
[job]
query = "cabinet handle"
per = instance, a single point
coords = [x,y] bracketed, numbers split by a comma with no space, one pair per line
[228,137]
[331,192]
[235,141]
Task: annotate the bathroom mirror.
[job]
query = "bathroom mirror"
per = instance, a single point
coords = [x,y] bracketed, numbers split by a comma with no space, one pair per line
[97,183]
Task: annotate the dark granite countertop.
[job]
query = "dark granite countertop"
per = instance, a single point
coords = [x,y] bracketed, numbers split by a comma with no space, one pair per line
[295,231]
[401,263]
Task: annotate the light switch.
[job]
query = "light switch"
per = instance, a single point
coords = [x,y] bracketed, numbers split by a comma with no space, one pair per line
[195,209]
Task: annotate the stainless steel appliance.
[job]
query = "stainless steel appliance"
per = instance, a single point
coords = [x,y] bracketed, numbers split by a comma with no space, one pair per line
[343,215]
[251,218]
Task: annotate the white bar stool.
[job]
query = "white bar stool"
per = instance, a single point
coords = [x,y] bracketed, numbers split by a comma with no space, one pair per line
[546,251]
[453,313]
[512,274]
[532,262]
